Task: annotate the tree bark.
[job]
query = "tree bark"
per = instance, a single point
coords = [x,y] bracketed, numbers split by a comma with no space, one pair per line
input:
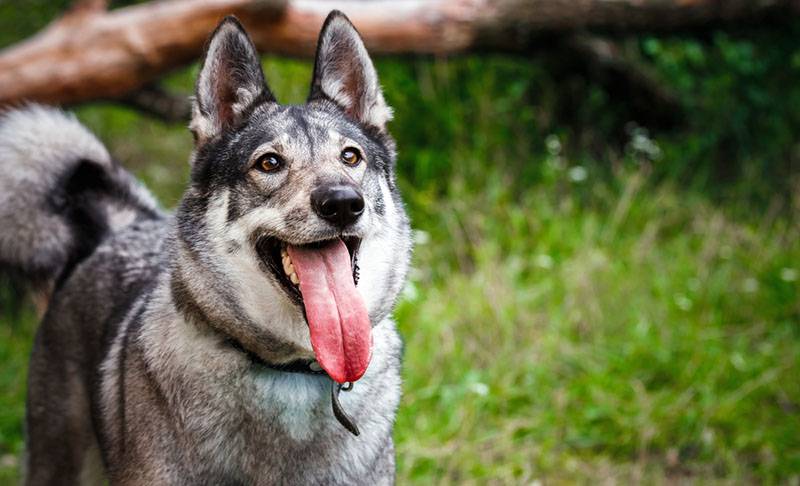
[91,53]
[159,103]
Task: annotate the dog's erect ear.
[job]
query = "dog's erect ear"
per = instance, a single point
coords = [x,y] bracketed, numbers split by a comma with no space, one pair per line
[343,73]
[230,81]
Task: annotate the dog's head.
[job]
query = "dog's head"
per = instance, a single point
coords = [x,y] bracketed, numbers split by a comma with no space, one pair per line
[293,238]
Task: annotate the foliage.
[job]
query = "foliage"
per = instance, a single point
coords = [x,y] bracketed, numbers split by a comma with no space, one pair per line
[742,93]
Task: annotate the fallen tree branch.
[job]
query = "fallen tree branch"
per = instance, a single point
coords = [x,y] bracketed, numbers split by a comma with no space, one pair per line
[156,101]
[601,60]
[632,84]
[91,53]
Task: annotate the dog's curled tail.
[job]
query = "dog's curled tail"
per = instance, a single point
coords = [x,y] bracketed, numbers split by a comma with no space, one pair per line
[61,194]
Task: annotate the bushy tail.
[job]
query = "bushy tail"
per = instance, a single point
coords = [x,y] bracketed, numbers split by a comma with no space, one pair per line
[61,194]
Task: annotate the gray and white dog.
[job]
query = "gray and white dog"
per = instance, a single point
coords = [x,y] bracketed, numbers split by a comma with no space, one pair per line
[210,346]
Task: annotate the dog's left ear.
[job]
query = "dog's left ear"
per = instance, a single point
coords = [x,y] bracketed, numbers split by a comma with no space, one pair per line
[344,74]
[230,81]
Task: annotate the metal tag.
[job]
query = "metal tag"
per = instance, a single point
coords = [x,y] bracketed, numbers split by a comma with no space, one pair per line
[338,412]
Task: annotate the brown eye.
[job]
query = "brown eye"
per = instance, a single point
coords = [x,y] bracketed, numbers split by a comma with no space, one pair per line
[269,162]
[351,156]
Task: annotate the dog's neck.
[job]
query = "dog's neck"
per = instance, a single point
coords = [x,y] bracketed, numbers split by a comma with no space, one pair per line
[308,366]
[204,376]
[204,298]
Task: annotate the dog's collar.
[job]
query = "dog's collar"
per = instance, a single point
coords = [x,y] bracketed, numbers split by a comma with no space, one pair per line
[306,366]
[311,368]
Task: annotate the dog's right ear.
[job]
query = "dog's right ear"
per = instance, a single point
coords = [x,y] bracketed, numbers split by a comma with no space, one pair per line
[230,81]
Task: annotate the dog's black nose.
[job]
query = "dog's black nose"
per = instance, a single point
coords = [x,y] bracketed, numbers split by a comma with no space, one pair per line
[339,204]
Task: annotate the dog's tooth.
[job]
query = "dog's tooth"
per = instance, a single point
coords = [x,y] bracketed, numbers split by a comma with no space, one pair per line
[287,268]
[295,280]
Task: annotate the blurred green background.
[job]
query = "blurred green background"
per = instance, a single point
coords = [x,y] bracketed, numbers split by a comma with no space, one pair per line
[590,301]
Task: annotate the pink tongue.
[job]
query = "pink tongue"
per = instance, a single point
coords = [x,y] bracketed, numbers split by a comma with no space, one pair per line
[337,316]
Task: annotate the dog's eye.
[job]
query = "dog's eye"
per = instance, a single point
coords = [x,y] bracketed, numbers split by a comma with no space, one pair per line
[351,156]
[269,162]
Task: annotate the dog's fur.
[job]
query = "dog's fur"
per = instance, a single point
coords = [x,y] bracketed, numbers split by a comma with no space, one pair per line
[133,375]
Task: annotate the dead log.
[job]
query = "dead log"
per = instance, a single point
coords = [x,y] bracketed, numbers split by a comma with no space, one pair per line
[647,100]
[159,103]
[91,53]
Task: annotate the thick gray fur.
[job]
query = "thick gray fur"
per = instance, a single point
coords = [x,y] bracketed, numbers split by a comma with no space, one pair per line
[133,376]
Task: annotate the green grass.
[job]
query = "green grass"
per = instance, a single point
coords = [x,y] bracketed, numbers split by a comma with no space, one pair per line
[571,316]
[648,335]
[16,338]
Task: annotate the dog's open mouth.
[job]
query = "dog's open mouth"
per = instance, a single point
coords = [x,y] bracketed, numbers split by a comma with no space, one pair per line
[276,257]
[321,277]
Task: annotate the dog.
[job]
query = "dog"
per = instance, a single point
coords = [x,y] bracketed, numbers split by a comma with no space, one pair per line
[244,339]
